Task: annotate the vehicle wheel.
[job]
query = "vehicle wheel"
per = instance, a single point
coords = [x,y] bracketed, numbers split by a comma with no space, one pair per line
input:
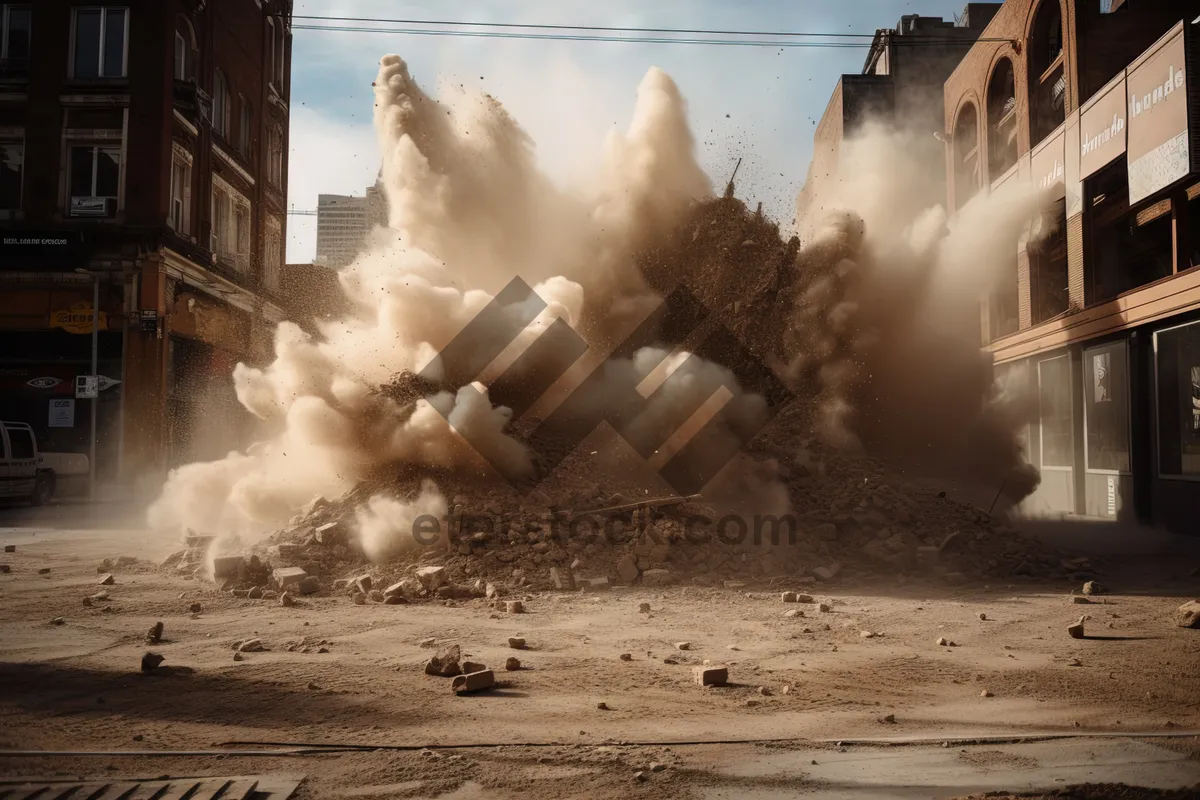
[43,489]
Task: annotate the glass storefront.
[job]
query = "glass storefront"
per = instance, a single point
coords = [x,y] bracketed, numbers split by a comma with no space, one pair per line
[1177,386]
[1106,407]
[1054,411]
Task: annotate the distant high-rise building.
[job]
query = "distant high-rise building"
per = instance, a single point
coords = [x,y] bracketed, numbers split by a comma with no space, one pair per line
[345,222]
[342,227]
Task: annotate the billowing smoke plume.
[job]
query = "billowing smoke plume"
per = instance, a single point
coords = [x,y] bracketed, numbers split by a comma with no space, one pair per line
[885,329]
[468,212]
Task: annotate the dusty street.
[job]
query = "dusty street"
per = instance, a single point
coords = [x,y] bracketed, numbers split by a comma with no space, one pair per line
[335,673]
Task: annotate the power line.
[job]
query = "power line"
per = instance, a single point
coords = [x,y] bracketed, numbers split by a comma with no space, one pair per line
[614,29]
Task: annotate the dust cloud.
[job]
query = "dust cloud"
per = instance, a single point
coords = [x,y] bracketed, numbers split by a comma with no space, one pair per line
[875,306]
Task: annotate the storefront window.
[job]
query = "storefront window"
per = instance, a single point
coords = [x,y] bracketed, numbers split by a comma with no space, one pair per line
[1054,411]
[1106,407]
[1177,370]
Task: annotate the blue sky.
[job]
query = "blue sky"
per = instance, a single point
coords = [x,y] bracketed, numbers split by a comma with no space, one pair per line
[760,104]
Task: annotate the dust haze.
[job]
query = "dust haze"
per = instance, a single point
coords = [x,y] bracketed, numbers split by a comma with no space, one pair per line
[872,318]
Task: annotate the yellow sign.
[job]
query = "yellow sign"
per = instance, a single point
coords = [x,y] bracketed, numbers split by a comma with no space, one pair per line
[78,319]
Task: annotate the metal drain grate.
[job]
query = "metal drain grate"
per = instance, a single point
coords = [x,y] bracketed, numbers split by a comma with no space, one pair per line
[253,787]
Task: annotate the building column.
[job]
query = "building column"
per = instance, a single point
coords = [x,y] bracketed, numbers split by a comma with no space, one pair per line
[145,457]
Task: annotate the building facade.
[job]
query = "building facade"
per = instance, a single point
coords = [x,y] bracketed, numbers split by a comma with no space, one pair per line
[902,83]
[144,148]
[1099,104]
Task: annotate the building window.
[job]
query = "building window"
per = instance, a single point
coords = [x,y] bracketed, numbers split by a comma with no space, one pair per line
[1177,374]
[1002,120]
[180,213]
[273,255]
[181,50]
[100,36]
[12,171]
[221,105]
[14,43]
[1106,407]
[1127,249]
[95,178]
[276,44]
[1047,78]
[275,167]
[231,225]
[1004,310]
[1054,412]
[966,156]
[245,114]
[1048,280]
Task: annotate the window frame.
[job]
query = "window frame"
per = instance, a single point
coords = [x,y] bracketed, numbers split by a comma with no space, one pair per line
[13,140]
[95,147]
[104,14]
[230,245]
[5,13]
[1042,465]
[181,160]
[222,104]
[181,54]
[1087,450]
[1158,464]
[245,126]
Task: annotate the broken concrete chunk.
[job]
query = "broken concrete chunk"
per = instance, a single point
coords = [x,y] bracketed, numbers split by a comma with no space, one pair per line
[1188,615]
[711,676]
[563,579]
[626,656]
[431,577]
[788,597]
[286,600]
[311,584]
[627,569]
[150,661]
[375,596]
[359,599]
[472,666]
[829,572]
[595,584]
[251,646]
[516,642]
[656,577]
[512,664]
[195,608]
[643,608]
[331,533]
[445,662]
[514,606]
[683,645]
[1092,587]
[1076,630]
[474,682]
[1080,600]
[227,566]
[363,582]
[10,548]
[108,580]
[283,577]
[154,635]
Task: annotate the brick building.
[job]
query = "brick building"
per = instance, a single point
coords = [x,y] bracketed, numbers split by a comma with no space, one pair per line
[902,82]
[1097,102]
[143,142]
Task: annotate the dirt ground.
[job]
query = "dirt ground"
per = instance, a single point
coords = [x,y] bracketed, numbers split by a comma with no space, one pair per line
[806,681]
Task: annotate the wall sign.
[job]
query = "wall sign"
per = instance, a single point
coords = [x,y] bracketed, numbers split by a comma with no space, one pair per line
[1159,152]
[62,413]
[1102,124]
[1048,166]
[78,319]
[40,249]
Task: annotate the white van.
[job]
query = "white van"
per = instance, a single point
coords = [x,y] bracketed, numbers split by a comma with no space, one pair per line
[29,474]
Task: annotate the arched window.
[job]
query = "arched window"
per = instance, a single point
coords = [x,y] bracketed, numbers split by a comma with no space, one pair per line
[1047,77]
[1002,120]
[185,48]
[966,155]
[222,104]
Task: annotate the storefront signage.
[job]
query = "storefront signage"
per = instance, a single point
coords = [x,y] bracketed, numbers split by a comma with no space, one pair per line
[1102,128]
[1159,152]
[46,382]
[62,413]
[149,319]
[86,387]
[35,250]
[1047,166]
[78,319]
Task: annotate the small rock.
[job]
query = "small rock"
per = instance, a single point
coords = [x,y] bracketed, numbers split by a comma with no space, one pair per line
[474,682]
[1188,615]
[656,767]
[472,666]
[644,608]
[238,657]
[364,583]
[514,607]
[602,706]
[445,663]
[889,719]
[829,572]
[1074,662]
[44,571]
[804,598]
[626,656]
[430,642]
[58,621]
[359,599]
[87,601]
[431,578]
[711,676]
[376,596]
[868,635]
[683,645]
[154,635]
[824,608]
[765,691]
[793,613]
[982,617]
[107,580]
[787,689]
[1093,587]
[251,646]
[639,775]
[985,693]
[788,597]
[286,600]
[516,643]
[10,548]
[1076,630]
[943,641]
[512,664]
[195,608]
[1080,600]
[256,593]
[5,569]
[150,661]
[139,738]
